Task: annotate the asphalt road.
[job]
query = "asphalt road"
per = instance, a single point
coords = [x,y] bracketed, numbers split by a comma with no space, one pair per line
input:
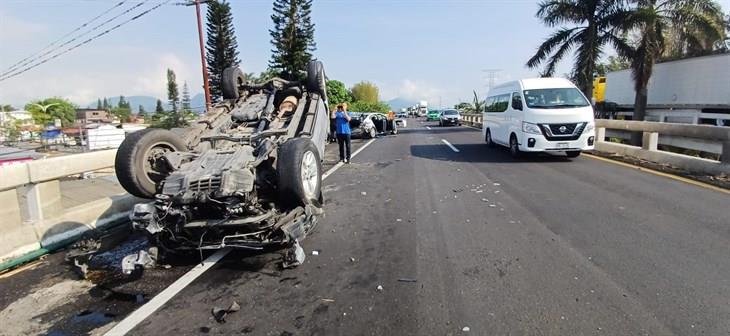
[540,246]
[420,239]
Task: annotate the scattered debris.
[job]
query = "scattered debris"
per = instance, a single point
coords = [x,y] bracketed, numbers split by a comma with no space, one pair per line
[380,288]
[328,300]
[294,256]
[352,259]
[364,193]
[458,190]
[219,314]
[407,280]
[496,184]
[315,252]
[485,200]
[468,220]
[398,220]
[492,205]
[465,329]
[434,212]
[139,261]
[479,191]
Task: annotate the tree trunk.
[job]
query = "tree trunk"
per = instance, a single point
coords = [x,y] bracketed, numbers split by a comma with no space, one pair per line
[640,102]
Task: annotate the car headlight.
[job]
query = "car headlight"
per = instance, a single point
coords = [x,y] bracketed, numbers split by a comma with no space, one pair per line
[530,128]
[589,127]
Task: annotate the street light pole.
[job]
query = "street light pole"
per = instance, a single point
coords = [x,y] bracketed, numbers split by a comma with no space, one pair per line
[202,52]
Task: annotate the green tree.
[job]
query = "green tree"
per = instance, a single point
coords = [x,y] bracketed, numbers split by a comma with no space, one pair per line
[158,107]
[363,106]
[592,25]
[45,111]
[123,113]
[365,91]
[185,97]
[462,106]
[105,105]
[123,103]
[173,94]
[262,77]
[292,38]
[99,106]
[651,19]
[613,63]
[337,93]
[221,45]
[141,110]
[10,129]
[7,108]
[476,106]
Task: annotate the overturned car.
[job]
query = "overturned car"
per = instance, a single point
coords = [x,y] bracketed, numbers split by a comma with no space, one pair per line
[247,174]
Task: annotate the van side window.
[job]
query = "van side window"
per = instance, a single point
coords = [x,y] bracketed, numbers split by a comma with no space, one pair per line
[516,101]
[488,104]
[502,103]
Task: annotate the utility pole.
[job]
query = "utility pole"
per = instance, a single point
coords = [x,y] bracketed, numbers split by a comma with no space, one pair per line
[203,66]
[491,77]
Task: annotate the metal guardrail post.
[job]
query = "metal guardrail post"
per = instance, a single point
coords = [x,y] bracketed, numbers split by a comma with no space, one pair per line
[600,134]
[725,155]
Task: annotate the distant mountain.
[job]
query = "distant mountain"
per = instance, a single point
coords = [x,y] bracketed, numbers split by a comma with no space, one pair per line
[197,102]
[398,103]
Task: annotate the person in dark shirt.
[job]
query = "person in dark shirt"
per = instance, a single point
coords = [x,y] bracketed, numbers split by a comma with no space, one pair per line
[342,126]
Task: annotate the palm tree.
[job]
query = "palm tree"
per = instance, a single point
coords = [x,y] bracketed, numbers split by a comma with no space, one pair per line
[595,24]
[653,19]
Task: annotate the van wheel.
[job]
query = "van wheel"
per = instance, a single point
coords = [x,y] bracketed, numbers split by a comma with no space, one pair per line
[488,138]
[572,154]
[514,147]
[231,81]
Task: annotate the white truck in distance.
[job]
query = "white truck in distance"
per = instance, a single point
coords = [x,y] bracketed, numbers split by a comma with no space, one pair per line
[693,90]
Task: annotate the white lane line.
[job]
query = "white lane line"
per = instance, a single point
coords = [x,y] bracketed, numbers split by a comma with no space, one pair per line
[450,145]
[339,164]
[139,315]
[428,127]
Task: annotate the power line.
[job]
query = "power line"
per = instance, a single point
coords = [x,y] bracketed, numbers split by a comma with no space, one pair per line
[32,66]
[18,64]
[491,77]
[75,38]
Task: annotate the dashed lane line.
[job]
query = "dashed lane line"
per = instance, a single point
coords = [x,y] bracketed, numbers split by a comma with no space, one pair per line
[450,145]
[139,315]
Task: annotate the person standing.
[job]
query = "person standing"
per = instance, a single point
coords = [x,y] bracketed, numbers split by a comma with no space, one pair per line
[331,137]
[342,125]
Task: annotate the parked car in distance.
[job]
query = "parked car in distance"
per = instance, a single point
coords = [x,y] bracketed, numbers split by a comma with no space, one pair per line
[433,115]
[401,115]
[539,115]
[450,117]
[369,125]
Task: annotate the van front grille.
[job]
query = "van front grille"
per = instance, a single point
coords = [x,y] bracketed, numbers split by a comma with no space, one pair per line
[562,132]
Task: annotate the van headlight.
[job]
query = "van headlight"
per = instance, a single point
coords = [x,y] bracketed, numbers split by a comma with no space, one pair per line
[530,128]
[589,127]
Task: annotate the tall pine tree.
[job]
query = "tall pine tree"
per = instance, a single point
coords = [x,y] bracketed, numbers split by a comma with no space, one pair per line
[158,107]
[221,45]
[292,38]
[185,97]
[98,104]
[173,94]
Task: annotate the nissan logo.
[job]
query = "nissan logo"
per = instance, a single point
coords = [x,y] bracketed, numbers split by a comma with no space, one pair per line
[563,129]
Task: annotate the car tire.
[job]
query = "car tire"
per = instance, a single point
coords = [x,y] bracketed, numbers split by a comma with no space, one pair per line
[316,79]
[372,133]
[572,154]
[139,165]
[299,172]
[231,81]
[488,138]
[514,147]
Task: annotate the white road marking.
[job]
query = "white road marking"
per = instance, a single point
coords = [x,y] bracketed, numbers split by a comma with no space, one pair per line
[139,315]
[428,128]
[339,164]
[450,145]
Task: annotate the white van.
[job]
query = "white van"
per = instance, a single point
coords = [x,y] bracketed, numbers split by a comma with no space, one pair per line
[539,115]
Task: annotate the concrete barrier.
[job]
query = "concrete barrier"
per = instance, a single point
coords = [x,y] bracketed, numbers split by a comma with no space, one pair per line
[44,221]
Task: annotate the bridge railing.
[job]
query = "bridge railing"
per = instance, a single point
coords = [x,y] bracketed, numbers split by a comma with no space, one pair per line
[31,208]
[705,138]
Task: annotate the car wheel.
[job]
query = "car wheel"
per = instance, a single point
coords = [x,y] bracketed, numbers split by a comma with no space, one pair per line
[372,133]
[139,163]
[572,154]
[300,172]
[514,147]
[488,138]
[316,80]
[231,81]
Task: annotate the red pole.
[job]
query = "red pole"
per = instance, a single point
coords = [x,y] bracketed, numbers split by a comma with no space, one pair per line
[202,57]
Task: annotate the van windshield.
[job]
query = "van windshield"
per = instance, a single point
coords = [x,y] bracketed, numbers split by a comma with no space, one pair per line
[554,98]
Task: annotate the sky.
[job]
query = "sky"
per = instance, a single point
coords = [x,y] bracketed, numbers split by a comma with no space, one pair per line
[413,49]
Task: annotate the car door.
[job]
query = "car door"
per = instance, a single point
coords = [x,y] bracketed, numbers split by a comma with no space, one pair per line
[500,108]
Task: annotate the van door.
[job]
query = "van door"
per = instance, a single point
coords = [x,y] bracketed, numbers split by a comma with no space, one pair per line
[514,115]
[500,107]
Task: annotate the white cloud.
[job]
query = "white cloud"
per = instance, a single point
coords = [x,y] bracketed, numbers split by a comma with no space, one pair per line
[13,29]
